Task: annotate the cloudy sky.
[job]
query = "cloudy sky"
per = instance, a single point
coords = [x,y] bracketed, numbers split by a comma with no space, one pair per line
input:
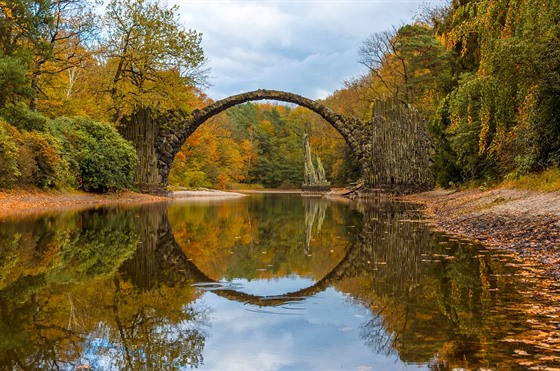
[305,47]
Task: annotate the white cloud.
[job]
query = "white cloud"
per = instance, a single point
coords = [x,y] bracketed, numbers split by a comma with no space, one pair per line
[305,47]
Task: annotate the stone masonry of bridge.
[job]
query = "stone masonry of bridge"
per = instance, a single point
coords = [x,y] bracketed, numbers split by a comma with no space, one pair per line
[406,169]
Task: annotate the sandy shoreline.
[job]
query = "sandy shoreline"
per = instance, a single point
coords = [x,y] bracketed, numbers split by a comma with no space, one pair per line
[21,202]
[204,193]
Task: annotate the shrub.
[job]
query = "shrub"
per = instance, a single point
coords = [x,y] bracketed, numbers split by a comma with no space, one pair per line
[26,163]
[42,162]
[63,152]
[547,181]
[105,161]
[288,184]
[189,178]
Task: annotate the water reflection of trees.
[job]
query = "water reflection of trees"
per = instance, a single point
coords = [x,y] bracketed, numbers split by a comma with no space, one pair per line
[64,249]
[265,238]
[434,299]
[62,303]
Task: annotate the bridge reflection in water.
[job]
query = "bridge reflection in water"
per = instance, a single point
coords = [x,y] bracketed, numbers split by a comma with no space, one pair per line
[113,288]
[383,236]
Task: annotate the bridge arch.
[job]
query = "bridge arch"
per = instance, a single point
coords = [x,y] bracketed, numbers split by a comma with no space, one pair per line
[171,137]
[172,266]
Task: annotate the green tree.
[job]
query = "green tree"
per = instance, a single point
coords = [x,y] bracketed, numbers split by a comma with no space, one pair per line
[502,113]
[9,171]
[445,167]
[19,115]
[14,82]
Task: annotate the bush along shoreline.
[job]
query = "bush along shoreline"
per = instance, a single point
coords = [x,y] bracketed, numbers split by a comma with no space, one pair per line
[62,153]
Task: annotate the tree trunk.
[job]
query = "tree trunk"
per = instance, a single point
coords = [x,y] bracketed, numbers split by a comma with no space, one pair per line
[141,129]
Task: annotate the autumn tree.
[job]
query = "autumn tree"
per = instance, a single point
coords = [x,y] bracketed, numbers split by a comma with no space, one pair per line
[501,117]
[408,63]
[209,158]
[352,99]
[36,32]
[152,62]
[150,57]
[74,91]
[380,52]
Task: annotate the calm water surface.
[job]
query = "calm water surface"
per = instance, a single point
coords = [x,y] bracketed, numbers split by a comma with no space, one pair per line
[265,282]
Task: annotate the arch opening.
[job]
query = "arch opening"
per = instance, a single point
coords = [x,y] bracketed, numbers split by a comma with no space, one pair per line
[172,137]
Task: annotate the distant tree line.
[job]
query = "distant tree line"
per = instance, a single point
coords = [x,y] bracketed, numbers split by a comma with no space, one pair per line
[257,145]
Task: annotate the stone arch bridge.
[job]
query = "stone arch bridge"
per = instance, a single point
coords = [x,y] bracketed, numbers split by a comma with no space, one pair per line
[392,150]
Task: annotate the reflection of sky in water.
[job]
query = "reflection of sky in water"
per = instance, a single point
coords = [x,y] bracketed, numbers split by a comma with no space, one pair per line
[274,286]
[321,332]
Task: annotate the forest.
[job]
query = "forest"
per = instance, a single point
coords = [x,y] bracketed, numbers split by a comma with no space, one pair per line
[485,75]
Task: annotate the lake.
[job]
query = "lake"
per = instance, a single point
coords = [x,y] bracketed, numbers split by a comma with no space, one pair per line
[266,282]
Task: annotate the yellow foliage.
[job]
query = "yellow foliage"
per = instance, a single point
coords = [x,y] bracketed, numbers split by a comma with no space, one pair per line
[267,127]
[547,181]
